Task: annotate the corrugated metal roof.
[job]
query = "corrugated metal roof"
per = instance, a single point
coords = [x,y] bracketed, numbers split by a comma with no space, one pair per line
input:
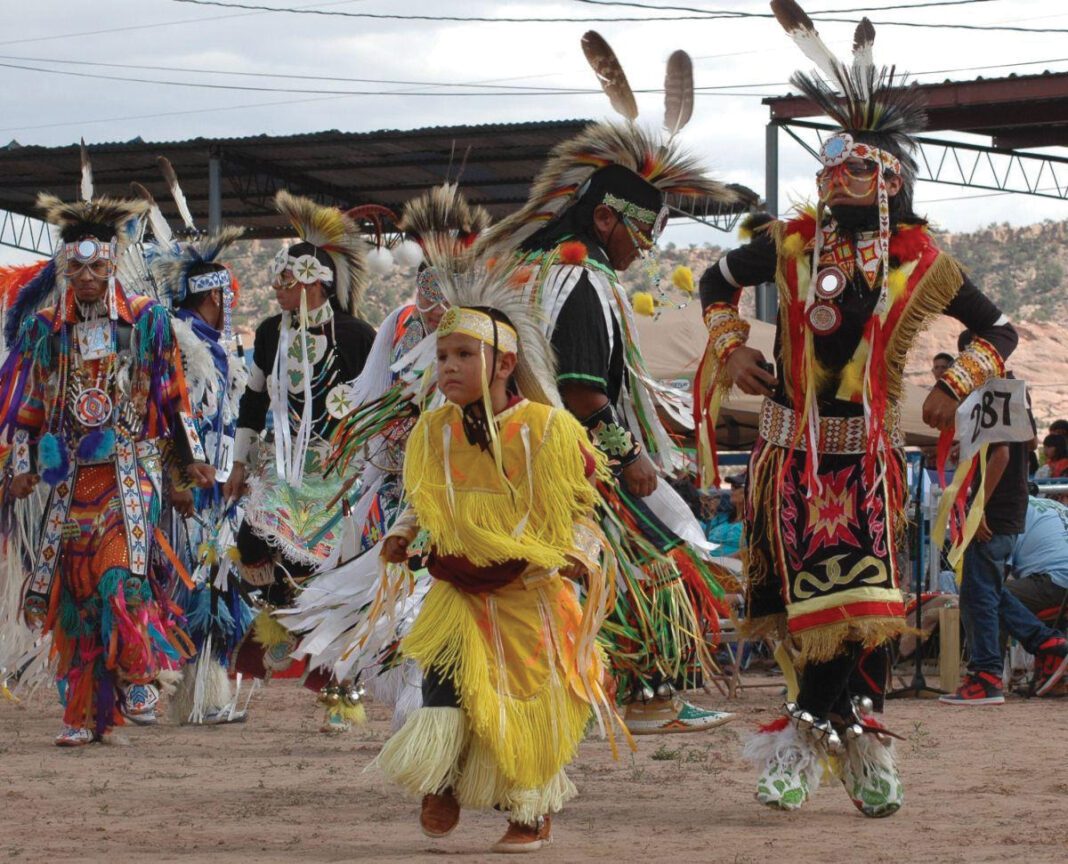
[1016,111]
[347,169]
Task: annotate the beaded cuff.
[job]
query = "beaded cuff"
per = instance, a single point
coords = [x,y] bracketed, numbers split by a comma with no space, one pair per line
[975,365]
[727,330]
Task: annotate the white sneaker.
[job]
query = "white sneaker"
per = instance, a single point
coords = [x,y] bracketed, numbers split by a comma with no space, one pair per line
[141,701]
[71,737]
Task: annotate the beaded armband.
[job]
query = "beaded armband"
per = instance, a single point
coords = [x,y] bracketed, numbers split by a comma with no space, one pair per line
[611,437]
[727,330]
[21,462]
[975,365]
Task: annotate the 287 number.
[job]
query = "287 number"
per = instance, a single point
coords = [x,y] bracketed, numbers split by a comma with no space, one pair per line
[985,416]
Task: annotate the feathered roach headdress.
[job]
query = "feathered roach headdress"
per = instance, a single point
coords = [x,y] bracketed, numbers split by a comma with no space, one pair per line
[89,230]
[474,290]
[860,97]
[443,212]
[193,267]
[629,168]
[878,119]
[332,250]
[441,219]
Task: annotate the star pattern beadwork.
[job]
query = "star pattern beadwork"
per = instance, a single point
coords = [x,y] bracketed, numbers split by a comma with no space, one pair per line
[832,513]
[613,439]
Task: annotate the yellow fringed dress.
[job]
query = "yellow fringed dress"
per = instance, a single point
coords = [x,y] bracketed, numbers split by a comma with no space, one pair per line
[520,655]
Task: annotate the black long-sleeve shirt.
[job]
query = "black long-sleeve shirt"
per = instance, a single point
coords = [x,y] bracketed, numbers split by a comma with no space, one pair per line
[349,341]
[756,262]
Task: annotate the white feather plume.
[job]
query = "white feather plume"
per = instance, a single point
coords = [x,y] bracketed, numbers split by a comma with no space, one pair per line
[176,192]
[87,174]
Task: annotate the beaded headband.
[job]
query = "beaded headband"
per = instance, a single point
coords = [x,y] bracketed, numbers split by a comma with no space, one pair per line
[840,147]
[216,280]
[479,325]
[88,250]
[306,269]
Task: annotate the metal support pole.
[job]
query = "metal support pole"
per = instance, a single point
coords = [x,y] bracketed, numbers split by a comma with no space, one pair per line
[214,191]
[767,299]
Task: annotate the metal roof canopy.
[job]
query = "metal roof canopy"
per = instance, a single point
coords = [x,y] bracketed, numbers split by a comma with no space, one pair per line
[234,180]
[1016,112]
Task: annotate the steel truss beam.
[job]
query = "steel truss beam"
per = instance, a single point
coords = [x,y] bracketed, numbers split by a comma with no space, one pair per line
[256,183]
[704,210]
[970,165]
[26,233]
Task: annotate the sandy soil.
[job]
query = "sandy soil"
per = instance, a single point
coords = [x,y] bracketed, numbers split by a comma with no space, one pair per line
[983,785]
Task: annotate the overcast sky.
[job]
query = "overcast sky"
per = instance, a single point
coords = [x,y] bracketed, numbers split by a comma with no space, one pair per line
[200,43]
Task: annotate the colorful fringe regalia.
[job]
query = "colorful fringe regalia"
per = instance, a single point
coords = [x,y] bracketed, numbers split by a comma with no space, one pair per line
[374,423]
[217,617]
[669,598]
[326,612]
[857,280]
[501,632]
[668,601]
[825,498]
[87,405]
[302,363]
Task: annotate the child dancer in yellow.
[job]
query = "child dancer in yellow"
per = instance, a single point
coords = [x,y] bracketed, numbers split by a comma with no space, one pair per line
[498,484]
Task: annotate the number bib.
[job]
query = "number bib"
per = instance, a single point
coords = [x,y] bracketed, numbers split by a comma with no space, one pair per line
[996,412]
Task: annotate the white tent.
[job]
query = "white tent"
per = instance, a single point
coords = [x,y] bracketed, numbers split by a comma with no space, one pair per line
[674,342]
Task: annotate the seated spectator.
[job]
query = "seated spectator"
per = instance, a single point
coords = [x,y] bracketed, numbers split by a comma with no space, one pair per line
[1055,448]
[1059,427]
[725,528]
[1040,565]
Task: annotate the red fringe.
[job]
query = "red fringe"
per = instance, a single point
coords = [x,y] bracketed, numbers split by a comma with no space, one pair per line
[13,278]
[706,604]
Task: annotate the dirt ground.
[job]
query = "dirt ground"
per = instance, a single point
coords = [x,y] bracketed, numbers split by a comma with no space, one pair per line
[982,785]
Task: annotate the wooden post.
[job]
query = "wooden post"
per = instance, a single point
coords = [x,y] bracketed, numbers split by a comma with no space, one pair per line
[949,648]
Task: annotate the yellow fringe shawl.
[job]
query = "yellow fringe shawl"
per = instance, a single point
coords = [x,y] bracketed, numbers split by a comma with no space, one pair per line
[470,509]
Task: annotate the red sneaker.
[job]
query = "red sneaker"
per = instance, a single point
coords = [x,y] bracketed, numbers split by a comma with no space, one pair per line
[978,688]
[1051,662]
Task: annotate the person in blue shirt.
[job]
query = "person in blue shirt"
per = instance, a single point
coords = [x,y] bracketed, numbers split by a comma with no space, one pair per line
[1039,561]
[725,526]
